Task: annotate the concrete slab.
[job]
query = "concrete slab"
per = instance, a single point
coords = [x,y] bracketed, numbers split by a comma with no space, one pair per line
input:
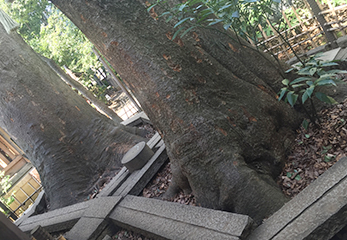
[101,207]
[342,42]
[154,140]
[134,119]
[56,220]
[342,54]
[315,208]
[135,183]
[177,221]
[329,55]
[87,229]
[115,183]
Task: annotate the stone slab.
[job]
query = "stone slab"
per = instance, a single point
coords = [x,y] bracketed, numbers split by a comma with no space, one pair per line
[329,55]
[87,229]
[140,116]
[124,173]
[101,207]
[154,140]
[232,224]
[135,183]
[322,201]
[178,221]
[56,220]
[342,42]
[115,183]
[342,54]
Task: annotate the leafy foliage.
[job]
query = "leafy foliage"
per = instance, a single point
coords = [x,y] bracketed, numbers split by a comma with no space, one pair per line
[312,74]
[50,33]
[243,16]
[5,185]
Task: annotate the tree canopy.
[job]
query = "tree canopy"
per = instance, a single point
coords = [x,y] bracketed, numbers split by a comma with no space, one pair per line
[51,34]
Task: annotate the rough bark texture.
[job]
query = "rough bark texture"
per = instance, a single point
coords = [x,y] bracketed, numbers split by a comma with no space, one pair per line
[68,142]
[212,99]
[79,87]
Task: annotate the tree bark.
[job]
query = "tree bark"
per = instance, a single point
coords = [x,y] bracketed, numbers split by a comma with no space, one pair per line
[79,87]
[70,144]
[212,97]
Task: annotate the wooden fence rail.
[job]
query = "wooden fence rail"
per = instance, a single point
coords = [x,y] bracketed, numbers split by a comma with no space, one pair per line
[306,34]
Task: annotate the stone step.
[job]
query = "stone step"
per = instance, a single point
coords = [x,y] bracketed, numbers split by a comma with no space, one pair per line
[317,213]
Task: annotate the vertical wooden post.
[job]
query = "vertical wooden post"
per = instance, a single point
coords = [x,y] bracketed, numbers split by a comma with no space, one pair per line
[330,37]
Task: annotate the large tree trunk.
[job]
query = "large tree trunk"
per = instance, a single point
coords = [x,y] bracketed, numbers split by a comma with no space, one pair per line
[85,92]
[212,98]
[69,143]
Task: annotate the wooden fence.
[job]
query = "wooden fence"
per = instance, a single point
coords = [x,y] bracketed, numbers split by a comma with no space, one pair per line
[306,34]
[24,179]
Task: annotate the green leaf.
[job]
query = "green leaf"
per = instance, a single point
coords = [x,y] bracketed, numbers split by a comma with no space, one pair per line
[150,7]
[298,85]
[307,94]
[305,71]
[227,26]
[328,157]
[326,82]
[215,22]
[326,76]
[283,91]
[176,33]
[182,21]
[191,3]
[186,31]
[164,13]
[328,147]
[305,124]
[297,177]
[235,14]
[307,135]
[224,7]
[300,79]
[289,70]
[327,64]
[292,98]
[312,71]
[168,19]
[324,98]
[336,71]
[310,83]
[182,7]
[289,174]
[318,55]
[285,82]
